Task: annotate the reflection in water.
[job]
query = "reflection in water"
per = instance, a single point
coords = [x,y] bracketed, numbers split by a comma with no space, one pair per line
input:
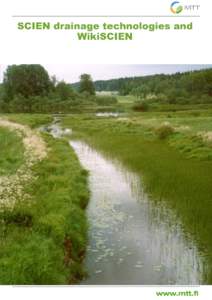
[107,114]
[132,240]
[55,130]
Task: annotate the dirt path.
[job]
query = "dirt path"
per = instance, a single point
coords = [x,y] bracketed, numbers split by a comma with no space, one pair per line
[12,187]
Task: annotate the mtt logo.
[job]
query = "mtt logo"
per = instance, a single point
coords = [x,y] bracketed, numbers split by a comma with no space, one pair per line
[176,7]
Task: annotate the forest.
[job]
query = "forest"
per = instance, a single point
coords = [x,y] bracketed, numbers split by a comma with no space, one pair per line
[180,88]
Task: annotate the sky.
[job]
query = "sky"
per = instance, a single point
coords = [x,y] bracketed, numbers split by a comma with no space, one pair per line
[71,72]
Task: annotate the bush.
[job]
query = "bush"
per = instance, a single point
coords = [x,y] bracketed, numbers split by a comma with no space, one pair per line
[164,130]
[4,107]
[141,106]
[182,100]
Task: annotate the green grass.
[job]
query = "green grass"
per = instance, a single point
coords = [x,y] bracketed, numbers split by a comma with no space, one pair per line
[188,129]
[43,240]
[126,99]
[185,185]
[11,152]
[32,120]
[127,103]
[195,123]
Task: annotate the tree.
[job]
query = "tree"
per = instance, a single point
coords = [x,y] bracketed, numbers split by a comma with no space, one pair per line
[64,90]
[86,84]
[26,80]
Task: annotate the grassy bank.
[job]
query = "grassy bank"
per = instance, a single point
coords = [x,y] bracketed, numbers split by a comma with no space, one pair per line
[10,157]
[32,120]
[43,240]
[184,184]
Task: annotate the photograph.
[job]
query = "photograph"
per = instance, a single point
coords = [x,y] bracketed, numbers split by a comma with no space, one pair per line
[105,174]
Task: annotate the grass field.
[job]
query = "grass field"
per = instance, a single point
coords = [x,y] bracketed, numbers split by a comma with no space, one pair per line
[126,103]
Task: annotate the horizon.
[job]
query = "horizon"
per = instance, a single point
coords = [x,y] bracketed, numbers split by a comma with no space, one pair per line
[70,72]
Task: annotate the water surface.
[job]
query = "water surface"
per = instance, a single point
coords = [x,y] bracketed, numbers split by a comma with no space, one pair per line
[107,114]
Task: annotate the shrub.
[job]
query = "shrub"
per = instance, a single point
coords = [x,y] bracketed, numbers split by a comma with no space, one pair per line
[141,106]
[164,130]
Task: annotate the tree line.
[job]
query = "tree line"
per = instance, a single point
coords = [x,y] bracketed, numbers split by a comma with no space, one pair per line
[29,88]
[184,88]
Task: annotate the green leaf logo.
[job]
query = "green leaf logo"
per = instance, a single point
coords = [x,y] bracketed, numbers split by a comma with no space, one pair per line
[179,9]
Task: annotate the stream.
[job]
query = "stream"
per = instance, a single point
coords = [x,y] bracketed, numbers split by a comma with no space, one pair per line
[131,239]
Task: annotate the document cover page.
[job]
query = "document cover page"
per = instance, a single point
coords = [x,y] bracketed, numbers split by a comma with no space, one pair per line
[105,149]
